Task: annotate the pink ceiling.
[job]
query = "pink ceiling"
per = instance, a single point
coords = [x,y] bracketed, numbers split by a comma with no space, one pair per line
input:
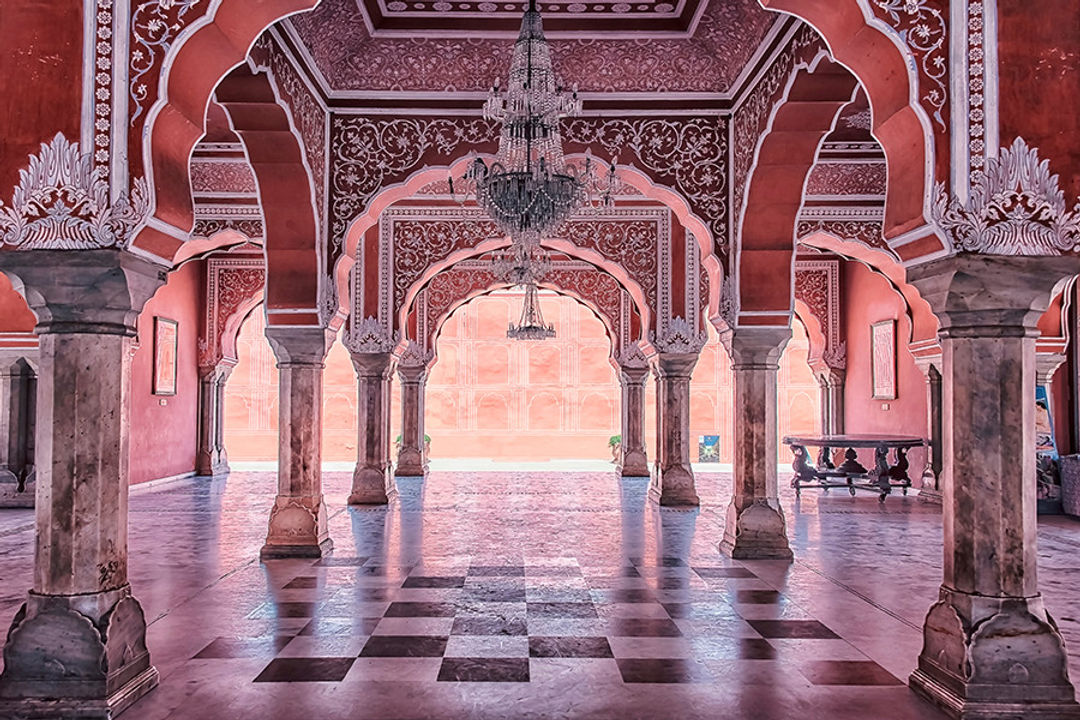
[630,56]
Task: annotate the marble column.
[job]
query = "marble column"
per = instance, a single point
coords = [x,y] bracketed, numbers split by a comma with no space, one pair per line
[297,525]
[412,457]
[673,483]
[990,648]
[372,481]
[77,647]
[633,461]
[18,390]
[211,458]
[931,478]
[832,382]
[755,526]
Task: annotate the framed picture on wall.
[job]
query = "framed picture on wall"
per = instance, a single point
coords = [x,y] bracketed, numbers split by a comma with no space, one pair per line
[165,340]
[883,359]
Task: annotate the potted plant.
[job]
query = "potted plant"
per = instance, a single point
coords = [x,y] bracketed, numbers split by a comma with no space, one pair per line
[615,443]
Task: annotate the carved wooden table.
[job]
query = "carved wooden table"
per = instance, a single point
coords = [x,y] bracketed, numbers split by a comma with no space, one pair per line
[851,474]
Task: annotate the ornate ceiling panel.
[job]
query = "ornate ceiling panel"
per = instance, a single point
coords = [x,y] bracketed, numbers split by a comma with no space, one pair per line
[707,58]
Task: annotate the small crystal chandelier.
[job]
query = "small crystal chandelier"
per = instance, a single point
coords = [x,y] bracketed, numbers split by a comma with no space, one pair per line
[530,190]
[531,326]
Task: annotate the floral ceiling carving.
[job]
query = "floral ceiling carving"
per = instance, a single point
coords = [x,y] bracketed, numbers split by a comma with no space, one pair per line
[727,35]
[230,284]
[369,153]
[217,176]
[847,179]
[864,231]
[922,26]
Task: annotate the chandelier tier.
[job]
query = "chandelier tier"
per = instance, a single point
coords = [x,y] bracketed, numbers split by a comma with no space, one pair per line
[529,189]
[531,326]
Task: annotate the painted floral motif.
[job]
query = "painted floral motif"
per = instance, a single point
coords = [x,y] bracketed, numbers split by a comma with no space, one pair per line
[921,25]
[369,336]
[155,24]
[710,61]
[847,179]
[62,202]
[1016,207]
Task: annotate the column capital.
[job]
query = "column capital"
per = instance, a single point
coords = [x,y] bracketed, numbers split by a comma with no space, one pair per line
[379,364]
[633,375]
[90,291]
[412,373]
[218,371]
[675,365]
[990,295]
[300,346]
[753,347]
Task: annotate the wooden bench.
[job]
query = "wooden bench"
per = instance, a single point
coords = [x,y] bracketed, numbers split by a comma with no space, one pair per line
[851,474]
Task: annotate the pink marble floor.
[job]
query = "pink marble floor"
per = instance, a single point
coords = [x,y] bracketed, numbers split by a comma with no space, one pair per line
[533,595]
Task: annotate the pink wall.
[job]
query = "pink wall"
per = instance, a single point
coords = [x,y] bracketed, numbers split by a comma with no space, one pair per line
[15,315]
[868,298]
[490,397]
[163,436]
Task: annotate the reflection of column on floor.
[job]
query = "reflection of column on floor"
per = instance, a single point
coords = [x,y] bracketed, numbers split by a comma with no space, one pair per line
[77,646]
[673,483]
[372,480]
[211,458]
[634,496]
[298,518]
[18,401]
[990,647]
[755,525]
[633,374]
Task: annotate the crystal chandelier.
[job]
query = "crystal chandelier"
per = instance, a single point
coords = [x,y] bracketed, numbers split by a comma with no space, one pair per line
[530,190]
[531,326]
[520,264]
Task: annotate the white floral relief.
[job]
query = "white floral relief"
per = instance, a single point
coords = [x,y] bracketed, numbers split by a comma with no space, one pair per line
[1016,207]
[679,337]
[369,336]
[922,27]
[62,202]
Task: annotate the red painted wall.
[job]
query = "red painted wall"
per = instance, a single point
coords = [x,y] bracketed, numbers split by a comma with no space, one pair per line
[15,314]
[41,57]
[868,298]
[163,437]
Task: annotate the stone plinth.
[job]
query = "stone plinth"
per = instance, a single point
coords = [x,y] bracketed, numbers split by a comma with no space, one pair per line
[673,483]
[412,458]
[297,525]
[990,648]
[77,648]
[633,462]
[372,479]
[755,526]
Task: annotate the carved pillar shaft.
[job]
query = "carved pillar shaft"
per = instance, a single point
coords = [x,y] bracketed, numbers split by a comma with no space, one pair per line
[755,526]
[298,518]
[412,458]
[372,481]
[990,648]
[18,389]
[210,458]
[931,479]
[832,401]
[633,461]
[77,647]
[673,483]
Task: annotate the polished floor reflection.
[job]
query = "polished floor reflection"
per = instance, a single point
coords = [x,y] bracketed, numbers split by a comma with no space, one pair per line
[532,595]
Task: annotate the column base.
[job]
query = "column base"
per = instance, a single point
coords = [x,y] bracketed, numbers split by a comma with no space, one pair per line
[410,464]
[297,528]
[674,488]
[634,463]
[80,656]
[11,496]
[757,531]
[278,552]
[1006,661]
[219,469]
[372,486]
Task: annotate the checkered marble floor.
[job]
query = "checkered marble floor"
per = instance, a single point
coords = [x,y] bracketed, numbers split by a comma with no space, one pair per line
[532,595]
